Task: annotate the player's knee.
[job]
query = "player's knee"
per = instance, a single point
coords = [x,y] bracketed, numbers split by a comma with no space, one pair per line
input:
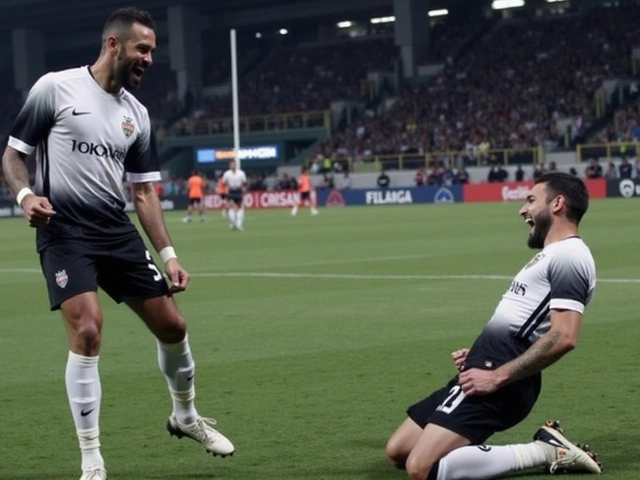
[86,337]
[396,455]
[417,468]
[173,330]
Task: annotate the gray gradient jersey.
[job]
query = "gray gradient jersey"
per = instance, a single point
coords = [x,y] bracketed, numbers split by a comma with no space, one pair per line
[562,276]
[234,180]
[85,141]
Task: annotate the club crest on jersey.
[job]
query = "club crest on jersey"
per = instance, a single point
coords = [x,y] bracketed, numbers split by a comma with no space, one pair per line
[534,260]
[128,127]
[62,278]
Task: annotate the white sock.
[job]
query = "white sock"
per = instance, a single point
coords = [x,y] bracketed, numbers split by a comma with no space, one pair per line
[484,462]
[295,210]
[177,364]
[232,216]
[85,393]
[240,220]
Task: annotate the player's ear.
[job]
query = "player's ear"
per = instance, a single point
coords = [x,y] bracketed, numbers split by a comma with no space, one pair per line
[558,203]
[112,45]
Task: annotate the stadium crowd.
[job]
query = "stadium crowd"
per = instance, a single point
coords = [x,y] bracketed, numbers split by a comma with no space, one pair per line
[507,92]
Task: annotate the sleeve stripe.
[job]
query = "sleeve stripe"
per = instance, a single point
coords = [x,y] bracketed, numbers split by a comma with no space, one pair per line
[144,177]
[21,146]
[566,304]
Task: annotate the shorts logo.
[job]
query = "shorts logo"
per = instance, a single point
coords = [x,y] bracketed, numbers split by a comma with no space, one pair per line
[62,278]
[128,127]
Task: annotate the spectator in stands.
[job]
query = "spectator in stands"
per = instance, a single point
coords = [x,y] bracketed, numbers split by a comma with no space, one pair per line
[287,183]
[462,176]
[328,182]
[346,181]
[552,167]
[573,171]
[502,175]
[519,174]
[625,168]
[421,177]
[383,180]
[434,175]
[611,173]
[593,170]
[492,176]
[538,170]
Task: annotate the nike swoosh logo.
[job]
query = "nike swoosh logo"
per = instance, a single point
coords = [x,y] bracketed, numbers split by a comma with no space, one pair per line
[190,378]
[555,443]
[75,114]
[84,414]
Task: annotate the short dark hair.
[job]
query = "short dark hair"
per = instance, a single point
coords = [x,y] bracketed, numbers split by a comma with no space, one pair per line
[120,21]
[571,188]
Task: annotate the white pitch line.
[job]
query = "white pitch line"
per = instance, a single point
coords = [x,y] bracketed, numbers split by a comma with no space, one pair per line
[319,263]
[355,276]
[20,270]
[344,276]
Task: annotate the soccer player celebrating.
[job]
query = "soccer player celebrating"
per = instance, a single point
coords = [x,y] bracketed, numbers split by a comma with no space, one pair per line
[195,184]
[536,322]
[88,131]
[307,193]
[236,182]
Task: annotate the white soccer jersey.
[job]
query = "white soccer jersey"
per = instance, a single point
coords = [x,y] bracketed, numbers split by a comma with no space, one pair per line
[85,141]
[234,180]
[561,276]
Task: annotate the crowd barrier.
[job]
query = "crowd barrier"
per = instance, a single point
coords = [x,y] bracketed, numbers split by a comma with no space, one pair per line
[503,192]
[8,208]
[481,192]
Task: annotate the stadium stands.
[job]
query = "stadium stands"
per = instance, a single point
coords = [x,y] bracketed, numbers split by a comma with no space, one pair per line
[508,91]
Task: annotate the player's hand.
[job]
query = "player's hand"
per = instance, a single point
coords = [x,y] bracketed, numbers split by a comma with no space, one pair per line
[479,382]
[178,276]
[459,357]
[37,210]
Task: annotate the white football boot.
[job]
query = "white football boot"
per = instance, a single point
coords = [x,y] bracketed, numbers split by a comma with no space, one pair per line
[94,473]
[202,431]
[562,455]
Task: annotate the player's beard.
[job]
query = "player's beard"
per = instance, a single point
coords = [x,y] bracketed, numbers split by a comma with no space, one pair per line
[124,74]
[541,227]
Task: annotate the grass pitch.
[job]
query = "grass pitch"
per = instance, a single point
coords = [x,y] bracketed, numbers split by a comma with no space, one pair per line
[311,337]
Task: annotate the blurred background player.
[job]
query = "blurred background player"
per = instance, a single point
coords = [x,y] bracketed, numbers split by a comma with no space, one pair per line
[195,184]
[221,190]
[236,182]
[307,193]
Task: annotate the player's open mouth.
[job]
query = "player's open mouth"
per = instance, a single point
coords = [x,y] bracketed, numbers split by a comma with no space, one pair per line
[137,72]
[529,221]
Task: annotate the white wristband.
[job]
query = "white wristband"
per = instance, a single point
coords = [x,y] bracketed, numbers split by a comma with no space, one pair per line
[23,193]
[167,253]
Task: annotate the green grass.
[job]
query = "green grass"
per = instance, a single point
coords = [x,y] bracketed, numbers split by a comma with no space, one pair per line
[310,374]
